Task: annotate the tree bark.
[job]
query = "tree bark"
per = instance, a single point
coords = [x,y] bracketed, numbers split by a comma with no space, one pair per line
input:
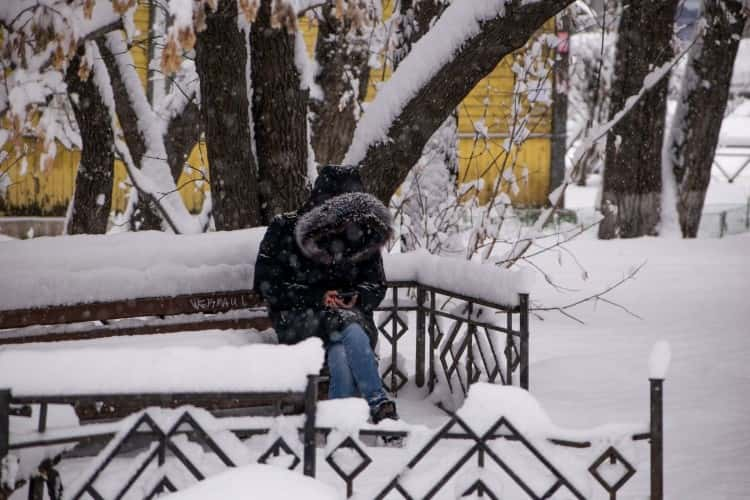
[92,198]
[221,58]
[146,215]
[703,100]
[279,116]
[632,174]
[343,76]
[385,164]
[183,133]
[560,88]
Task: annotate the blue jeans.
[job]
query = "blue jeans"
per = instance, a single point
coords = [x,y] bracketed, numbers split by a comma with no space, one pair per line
[353,367]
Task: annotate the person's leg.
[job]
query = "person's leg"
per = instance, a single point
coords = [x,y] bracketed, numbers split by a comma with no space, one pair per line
[364,366]
[341,383]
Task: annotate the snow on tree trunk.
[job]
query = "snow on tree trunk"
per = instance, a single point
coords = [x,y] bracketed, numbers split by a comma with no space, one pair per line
[221,58]
[143,132]
[342,53]
[631,197]
[463,47]
[92,198]
[414,20]
[703,100]
[279,105]
[145,216]
[427,206]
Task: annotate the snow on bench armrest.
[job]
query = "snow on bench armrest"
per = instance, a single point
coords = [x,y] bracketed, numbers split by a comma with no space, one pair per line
[485,281]
[92,371]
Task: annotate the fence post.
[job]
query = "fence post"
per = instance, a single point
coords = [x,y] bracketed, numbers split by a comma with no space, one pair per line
[657,438]
[747,215]
[523,307]
[722,224]
[4,437]
[431,343]
[421,296]
[311,401]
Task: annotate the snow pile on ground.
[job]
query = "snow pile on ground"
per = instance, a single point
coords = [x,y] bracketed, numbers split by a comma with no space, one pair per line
[735,129]
[741,72]
[258,481]
[24,461]
[250,368]
[78,269]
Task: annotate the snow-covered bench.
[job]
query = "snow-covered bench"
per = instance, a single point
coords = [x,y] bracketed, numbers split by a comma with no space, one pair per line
[168,377]
[84,287]
[133,378]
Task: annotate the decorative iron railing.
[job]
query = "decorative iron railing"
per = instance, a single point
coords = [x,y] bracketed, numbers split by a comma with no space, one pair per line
[475,339]
[489,453]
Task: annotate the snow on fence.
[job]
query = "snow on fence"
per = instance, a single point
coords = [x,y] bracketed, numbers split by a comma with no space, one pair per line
[500,443]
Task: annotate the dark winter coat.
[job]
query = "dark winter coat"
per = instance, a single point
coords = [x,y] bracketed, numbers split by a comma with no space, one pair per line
[332,243]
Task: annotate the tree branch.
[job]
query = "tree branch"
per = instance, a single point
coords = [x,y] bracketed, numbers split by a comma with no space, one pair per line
[390,136]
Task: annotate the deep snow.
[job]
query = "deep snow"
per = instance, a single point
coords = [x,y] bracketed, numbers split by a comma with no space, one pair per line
[693,293]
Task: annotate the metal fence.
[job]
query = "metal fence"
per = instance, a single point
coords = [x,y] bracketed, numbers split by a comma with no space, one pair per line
[487,454]
[475,340]
[458,340]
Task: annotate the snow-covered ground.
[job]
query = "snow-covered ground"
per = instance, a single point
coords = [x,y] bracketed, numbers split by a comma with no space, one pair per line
[695,294]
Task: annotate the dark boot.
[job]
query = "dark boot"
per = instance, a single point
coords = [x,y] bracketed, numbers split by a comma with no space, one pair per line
[384,410]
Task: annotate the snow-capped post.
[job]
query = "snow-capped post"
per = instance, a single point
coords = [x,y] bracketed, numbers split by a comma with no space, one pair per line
[658,366]
[523,309]
[419,364]
[311,399]
[4,436]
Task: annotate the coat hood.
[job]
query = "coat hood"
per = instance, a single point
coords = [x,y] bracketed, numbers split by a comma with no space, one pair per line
[333,180]
[349,227]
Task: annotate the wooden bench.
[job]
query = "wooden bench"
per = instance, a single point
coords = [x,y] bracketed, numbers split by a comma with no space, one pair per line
[240,309]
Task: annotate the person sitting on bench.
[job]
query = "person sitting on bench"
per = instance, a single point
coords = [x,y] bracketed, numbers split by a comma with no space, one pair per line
[321,273]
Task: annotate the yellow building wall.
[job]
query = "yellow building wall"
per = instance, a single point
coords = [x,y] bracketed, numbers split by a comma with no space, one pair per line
[38,192]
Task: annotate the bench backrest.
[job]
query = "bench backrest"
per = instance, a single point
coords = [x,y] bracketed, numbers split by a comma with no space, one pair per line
[201,311]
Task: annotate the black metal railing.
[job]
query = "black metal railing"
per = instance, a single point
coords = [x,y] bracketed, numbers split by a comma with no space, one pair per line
[482,452]
[476,339]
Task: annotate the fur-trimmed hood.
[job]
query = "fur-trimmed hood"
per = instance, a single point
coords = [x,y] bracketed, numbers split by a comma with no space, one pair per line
[350,227]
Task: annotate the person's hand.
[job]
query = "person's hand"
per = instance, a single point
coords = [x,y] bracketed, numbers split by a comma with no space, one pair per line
[332,299]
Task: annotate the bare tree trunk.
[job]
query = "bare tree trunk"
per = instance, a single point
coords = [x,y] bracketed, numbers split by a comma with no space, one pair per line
[632,183]
[183,133]
[279,116]
[701,107]
[221,58]
[385,163]
[344,72]
[92,198]
[560,87]
[146,216]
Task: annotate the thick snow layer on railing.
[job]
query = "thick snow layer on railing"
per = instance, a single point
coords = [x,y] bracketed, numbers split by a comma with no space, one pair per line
[92,371]
[485,281]
[83,269]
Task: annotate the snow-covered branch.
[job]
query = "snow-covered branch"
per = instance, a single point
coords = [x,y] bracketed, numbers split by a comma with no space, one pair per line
[148,168]
[433,79]
[588,141]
